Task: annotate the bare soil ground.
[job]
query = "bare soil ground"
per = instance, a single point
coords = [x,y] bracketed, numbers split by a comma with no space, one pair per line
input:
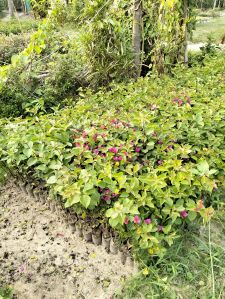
[41,258]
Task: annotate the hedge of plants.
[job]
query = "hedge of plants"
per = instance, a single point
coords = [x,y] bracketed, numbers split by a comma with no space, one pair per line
[149,156]
[11,45]
[16,27]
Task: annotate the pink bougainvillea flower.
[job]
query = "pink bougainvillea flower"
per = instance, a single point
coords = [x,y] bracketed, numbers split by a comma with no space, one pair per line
[160,162]
[103,155]
[160,141]
[126,221]
[169,147]
[160,228]
[175,100]
[117,159]
[114,194]
[137,219]
[77,144]
[103,127]
[95,136]
[126,153]
[137,149]
[106,198]
[84,134]
[183,214]
[114,121]
[107,191]
[180,102]
[148,221]
[113,150]
[100,189]
[96,151]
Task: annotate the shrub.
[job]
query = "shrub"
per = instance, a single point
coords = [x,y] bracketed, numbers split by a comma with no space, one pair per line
[148,155]
[27,82]
[11,45]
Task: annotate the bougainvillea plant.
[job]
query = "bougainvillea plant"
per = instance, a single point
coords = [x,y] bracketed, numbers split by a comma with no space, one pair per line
[148,155]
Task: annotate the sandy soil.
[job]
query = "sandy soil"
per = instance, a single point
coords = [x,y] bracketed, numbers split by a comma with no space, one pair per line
[41,258]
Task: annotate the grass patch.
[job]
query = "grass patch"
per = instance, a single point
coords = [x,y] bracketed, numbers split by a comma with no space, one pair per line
[193,268]
[214,27]
[6,292]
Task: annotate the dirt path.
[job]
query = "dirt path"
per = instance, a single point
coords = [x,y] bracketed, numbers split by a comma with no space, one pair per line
[41,258]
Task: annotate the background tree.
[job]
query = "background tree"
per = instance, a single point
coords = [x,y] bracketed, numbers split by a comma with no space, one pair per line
[11,8]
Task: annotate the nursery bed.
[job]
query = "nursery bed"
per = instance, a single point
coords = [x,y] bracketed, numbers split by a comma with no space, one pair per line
[41,258]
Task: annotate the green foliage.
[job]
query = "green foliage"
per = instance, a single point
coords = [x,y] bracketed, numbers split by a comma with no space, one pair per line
[6,293]
[103,38]
[16,26]
[55,65]
[148,154]
[185,271]
[40,8]
[31,75]
[2,6]
[11,45]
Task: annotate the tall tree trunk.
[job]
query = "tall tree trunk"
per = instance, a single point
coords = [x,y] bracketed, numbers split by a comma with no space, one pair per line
[11,8]
[214,5]
[186,32]
[137,36]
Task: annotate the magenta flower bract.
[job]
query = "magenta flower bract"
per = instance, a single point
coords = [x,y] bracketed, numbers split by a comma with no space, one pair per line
[137,219]
[148,221]
[96,151]
[117,159]
[160,228]
[113,150]
[106,197]
[183,214]
[160,141]
[126,221]
[114,121]
[137,149]
[180,102]
[84,134]
[160,162]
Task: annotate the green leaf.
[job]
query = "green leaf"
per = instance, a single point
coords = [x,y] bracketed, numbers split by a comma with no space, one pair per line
[113,222]
[32,161]
[85,200]
[52,180]
[203,167]
[192,215]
